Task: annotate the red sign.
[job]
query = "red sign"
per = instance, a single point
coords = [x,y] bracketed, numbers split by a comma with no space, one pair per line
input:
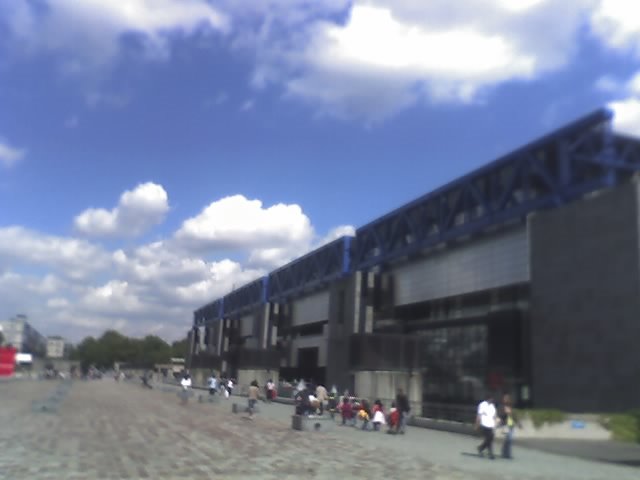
[7,361]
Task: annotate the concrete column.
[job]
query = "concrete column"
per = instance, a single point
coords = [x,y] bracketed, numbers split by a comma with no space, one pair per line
[265,326]
[219,331]
[357,292]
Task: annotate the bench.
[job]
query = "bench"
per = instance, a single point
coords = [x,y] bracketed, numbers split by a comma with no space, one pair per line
[312,423]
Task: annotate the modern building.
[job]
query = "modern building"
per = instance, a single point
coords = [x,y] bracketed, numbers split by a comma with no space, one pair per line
[56,347]
[19,333]
[522,276]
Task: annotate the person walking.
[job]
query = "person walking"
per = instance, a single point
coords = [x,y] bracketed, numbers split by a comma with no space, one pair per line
[254,395]
[509,420]
[322,396]
[230,386]
[271,391]
[213,384]
[185,383]
[402,404]
[486,420]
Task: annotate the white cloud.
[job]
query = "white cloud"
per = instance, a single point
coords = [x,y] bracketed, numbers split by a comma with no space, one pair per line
[81,289]
[617,23]
[10,155]
[238,223]
[91,32]
[137,211]
[626,104]
[72,257]
[627,116]
[57,302]
[389,55]
[337,232]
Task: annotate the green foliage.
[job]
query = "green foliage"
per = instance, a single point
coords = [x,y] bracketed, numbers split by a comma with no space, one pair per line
[624,427]
[180,348]
[550,417]
[114,347]
[1,339]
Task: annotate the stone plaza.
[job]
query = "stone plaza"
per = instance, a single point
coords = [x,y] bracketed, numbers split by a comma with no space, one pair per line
[108,430]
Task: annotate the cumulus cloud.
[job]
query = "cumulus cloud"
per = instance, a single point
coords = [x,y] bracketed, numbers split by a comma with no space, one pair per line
[239,223]
[388,55]
[153,287]
[92,32]
[337,232]
[10,155]
[71,257]
[617,24]
[138,210]
[626,102]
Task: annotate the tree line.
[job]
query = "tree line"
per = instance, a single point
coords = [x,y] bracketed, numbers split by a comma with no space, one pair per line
[113,347]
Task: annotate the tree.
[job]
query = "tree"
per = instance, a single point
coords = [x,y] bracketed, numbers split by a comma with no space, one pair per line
[180,348]
[1,339]
[114,347]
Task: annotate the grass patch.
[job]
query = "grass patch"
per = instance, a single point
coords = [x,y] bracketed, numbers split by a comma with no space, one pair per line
[624,427]
[541,417]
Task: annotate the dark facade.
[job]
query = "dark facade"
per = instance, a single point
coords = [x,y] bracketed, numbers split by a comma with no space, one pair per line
[585,289]
[522,277]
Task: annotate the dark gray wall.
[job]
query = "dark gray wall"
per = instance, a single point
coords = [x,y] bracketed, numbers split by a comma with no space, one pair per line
[341,326]
[585,300]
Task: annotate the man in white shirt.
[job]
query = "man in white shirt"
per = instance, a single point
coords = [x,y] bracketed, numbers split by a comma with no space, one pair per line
[186,386]
[486,420]
[213,384]
[271,391]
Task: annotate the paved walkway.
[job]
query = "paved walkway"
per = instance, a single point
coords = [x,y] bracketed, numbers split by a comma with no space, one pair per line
[106,430]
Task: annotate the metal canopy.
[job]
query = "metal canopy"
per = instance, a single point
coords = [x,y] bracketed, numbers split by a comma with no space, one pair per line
[245,297]
[562,166]
[316,268]
[211,312]
[579,158]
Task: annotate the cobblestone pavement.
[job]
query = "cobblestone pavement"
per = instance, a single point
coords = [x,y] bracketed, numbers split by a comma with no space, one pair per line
[107,430]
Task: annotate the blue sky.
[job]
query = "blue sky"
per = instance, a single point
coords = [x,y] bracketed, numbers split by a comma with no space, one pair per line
[155,153]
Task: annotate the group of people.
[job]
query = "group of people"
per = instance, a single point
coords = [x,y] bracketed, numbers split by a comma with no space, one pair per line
[489,418]
[222,386]
[311,400]
[353,410]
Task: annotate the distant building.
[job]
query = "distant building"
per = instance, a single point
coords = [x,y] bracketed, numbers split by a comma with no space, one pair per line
[19,333]
[55,347]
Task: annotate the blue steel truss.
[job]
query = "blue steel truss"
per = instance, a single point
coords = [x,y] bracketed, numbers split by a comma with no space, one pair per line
[560,167]
[627,151]
[209,313]
[246,297]
[579,158]
[316,268]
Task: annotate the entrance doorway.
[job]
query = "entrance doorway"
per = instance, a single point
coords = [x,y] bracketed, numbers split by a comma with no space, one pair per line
[308,369]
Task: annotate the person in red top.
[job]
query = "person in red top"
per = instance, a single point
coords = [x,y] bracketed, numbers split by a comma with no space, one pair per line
[394,419]
[347,412]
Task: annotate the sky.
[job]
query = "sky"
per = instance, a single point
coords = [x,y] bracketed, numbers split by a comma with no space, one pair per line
[156,154]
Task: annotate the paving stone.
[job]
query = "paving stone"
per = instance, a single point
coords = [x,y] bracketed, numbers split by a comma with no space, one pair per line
[109,430]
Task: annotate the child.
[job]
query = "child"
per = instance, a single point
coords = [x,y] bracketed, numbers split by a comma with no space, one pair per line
[347,412]
[332,404]
[378,415]
[364,414]
[394,419]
